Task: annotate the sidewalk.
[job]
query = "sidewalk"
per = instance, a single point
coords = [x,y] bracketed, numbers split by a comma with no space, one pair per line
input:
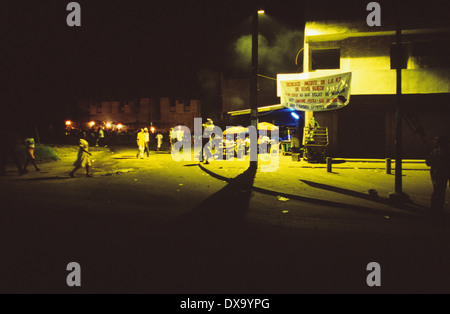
[357,183]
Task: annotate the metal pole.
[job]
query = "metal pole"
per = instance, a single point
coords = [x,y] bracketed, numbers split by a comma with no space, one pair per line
[398,114]
[329,164]
[388,165]
[254,83]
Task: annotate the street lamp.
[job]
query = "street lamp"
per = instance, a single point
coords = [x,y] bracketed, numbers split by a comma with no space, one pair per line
[254,82]
[398,195]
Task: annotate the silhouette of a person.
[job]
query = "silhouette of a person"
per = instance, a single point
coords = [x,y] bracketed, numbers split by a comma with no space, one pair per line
[439,163]
[8,140]
[29,149]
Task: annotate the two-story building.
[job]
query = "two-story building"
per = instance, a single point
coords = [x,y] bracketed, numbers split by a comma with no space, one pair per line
[366,127]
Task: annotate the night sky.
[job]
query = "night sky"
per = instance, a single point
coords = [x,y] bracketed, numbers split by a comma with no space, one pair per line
[123,49]
[127,49]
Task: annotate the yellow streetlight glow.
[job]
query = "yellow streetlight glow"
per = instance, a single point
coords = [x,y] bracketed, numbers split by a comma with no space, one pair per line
[92,123]
[108,125]
[68,122]
[261,11]
[119,126]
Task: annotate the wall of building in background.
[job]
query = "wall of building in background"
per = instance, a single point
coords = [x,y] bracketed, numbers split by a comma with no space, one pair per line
[179,112]
[163,113]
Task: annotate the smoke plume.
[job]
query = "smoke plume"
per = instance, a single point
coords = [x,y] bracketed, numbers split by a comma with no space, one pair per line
[275,55]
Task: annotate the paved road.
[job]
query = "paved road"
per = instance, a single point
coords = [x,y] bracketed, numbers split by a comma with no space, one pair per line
[158,226]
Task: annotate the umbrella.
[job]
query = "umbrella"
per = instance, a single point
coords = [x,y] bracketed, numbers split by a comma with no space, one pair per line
[235,130]
[267,125]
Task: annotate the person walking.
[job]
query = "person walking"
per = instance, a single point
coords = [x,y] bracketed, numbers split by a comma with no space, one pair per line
[159,141]
[208,128]
[207,150]
[147,141]
[173,137]
[439,163]
[83,158]
[140,140]
[101,137]
[29,150]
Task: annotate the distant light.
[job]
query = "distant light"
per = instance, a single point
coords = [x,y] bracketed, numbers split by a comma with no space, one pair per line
[119,126]
[261,11]
[92,123]
[108,125]
[68,122]
[152,129]
[296,117]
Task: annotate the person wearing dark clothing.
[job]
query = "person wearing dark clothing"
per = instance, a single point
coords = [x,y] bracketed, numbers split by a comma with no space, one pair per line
[439,163]
[8,140]
[205,152]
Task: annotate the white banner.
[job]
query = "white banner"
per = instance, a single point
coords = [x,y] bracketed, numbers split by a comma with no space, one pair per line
[317,94]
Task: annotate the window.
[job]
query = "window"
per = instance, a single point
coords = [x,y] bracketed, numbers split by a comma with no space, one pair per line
[404,55]
[172,107]
[325,59]
[187,106]
[431,54]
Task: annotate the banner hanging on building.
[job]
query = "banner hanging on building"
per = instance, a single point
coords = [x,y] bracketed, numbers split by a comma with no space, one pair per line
[317,94]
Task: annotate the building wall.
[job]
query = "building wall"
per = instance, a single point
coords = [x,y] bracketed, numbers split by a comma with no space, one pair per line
[143,110]
[366,127]
[369,60]
[177,112]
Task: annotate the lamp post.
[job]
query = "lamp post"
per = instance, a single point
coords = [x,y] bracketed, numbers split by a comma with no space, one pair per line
[398,117]
[254,82]
[398,195]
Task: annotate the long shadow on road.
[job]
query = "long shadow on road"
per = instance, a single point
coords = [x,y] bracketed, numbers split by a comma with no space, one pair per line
[215,249]
[374,197]
[331,204]
[210,239]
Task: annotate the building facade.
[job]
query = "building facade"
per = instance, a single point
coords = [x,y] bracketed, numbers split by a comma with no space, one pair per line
[178,112]
[163,113]
[366,127]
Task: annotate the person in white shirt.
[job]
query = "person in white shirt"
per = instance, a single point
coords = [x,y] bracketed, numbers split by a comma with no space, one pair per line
[147,141]
[180,135]
[140,140]
[159,141]
[173,137]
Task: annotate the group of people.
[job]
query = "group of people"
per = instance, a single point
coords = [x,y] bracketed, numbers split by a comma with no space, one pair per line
[143,140]
[438,160]
[176,135]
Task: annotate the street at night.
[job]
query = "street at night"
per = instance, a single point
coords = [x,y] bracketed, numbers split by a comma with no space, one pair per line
[331,118]
[154,225]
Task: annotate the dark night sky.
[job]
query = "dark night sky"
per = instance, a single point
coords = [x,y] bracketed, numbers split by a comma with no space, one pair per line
[129,48]
[123,48]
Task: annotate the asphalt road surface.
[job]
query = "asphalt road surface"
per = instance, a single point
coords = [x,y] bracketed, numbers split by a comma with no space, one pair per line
[163,227]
